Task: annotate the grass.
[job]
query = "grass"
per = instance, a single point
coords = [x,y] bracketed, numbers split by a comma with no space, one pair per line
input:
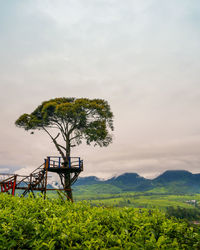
[136,199]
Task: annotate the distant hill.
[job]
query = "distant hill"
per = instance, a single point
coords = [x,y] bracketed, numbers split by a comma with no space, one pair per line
[180,181]
[131,182]
[171,181]
[87,180]
[174,175]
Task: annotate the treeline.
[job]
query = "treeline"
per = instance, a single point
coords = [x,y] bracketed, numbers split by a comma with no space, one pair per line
[190,214]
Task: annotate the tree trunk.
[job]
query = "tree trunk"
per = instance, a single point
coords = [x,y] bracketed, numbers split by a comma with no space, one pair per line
[67,187]
[67,176]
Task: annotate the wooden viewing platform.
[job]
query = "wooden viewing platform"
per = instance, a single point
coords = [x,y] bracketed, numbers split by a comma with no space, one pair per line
[37,180]
[55,164]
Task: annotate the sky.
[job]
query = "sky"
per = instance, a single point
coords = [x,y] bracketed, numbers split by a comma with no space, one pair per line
[142,56]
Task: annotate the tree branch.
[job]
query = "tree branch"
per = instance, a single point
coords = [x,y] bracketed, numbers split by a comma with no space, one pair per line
[74,137]
[72,128]
[61,146]
[56,136]
[60,127]
[55,142]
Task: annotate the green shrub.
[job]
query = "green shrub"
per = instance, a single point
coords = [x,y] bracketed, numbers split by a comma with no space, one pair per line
[27,223]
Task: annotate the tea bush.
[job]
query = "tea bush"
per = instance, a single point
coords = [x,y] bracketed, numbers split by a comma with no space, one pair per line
[28,223]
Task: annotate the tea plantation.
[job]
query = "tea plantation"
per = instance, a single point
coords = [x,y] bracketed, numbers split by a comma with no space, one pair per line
[27,223]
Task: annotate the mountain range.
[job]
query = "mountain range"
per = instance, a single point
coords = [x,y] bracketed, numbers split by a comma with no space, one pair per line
[171,181]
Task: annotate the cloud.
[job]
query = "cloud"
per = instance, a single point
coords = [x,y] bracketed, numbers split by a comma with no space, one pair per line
[141,56]
[4,170]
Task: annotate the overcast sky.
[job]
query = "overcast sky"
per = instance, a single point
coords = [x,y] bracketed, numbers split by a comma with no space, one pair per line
[142,56]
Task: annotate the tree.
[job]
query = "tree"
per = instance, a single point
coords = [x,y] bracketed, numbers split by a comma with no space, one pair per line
[73,120]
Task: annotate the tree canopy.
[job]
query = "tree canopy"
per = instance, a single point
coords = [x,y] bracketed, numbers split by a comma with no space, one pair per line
[75,119]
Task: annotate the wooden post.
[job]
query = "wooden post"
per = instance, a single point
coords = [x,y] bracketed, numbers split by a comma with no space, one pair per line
[47,163]
[14,185]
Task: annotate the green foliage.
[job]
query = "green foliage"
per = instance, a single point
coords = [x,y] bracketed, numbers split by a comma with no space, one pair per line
[75,119]
[190,214]
[110,196]
[27,223]
[96,189]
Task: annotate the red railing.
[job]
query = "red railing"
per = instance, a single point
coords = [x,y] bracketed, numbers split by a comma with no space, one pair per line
[8,184]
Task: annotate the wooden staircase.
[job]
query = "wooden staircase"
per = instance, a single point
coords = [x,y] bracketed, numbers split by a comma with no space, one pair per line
[37,180]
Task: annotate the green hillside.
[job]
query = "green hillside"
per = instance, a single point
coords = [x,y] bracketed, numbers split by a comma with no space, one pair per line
[173,181]
[170,189]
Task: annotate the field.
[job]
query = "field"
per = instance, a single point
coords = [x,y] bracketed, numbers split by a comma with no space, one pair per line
[27,223]
[141,200]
